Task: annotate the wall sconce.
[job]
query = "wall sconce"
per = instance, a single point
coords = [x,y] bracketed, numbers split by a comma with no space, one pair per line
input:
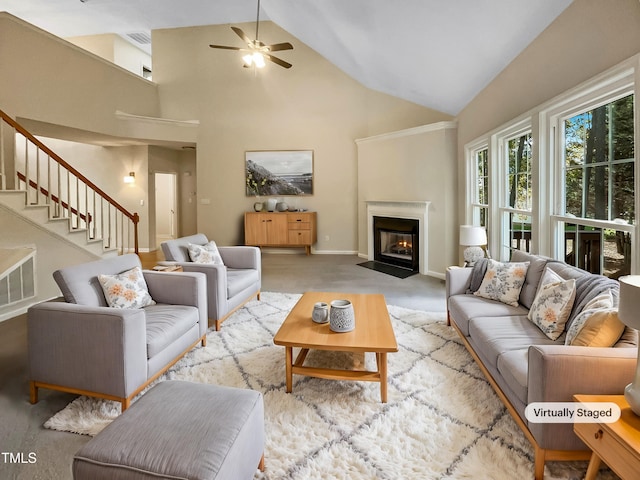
[130,179]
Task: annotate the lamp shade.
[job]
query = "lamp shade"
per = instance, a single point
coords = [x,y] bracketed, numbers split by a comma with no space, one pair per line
[471,235]
[629,313]
[629,307]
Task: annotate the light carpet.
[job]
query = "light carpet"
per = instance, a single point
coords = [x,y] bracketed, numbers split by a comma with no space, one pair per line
[442,419]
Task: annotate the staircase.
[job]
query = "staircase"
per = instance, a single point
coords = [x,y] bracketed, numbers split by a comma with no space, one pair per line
[48,192]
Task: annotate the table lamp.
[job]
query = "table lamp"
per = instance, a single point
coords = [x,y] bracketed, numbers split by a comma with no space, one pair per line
[472,237]
[629,314]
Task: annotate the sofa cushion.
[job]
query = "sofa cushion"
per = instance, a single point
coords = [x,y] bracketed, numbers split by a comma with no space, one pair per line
[495,336]
[177,250]
[464,307]
[503,281]
[514,367]
[238,280]
[79,283]
[167,323]
[552,306]
[126,290]
[534,273]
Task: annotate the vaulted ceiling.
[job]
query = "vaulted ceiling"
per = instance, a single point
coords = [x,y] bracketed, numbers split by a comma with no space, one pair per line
[436,53]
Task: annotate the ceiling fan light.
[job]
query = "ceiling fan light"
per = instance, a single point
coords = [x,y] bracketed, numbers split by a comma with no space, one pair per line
[258,59]
[247,59]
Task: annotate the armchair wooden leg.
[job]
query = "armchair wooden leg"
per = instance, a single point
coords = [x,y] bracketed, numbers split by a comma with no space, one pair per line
[218,324]
[261,464]
[258,296]
[33,393]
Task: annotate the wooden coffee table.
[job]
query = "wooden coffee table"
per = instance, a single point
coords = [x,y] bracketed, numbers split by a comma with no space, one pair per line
[373,333]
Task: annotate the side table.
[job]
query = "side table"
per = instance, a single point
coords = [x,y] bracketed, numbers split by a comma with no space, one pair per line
[616,444]
[168,268]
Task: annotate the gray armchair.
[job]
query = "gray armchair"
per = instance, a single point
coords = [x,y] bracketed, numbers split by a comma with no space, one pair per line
[229,286]
[81,345]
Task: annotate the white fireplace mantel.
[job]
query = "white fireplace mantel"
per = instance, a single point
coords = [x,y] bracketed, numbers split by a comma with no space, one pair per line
[416,210]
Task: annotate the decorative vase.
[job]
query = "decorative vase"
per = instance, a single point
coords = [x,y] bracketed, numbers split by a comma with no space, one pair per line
[271,204]
[341,316]
[258,206]
[320,313]
[282,207]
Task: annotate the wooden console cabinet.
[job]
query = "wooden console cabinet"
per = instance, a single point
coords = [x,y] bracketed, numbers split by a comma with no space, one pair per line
[280,229]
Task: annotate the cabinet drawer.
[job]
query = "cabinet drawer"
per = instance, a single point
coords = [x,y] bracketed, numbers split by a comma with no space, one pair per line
[299,226]
[612,452]
[299,217]
[299,237]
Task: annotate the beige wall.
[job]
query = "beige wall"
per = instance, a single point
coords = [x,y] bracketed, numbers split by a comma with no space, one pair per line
[413,165]
[115,49]
[48,79]
[107,167]
[51,254]
[183,164]
[313,106]
[589,37]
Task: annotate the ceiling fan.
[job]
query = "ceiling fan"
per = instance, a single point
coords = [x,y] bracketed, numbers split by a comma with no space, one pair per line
[257,51]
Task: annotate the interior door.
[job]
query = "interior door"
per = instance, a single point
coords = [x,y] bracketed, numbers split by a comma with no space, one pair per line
[166,206]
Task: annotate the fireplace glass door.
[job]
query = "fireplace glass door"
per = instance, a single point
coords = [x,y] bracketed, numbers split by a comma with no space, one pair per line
[396,242]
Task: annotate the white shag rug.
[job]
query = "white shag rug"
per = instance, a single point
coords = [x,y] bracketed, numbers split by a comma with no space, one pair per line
[442,419]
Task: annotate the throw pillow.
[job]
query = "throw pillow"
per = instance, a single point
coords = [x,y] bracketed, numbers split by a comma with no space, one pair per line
[503,281]
[126,290]
[599,328]
[552,306]
[597,325]
[207,253]
[548,276]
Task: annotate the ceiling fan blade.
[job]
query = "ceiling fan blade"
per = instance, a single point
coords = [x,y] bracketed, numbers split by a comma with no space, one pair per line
[225,47]
[279,46]
[277,61]
[243,36]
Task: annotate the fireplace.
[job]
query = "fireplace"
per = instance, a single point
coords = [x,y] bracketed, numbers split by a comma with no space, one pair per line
[396,242]
[417,210]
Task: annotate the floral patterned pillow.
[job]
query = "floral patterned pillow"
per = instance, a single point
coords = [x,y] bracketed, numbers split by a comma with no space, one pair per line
[552,306]
[126,290]
[207,253]
[503,281]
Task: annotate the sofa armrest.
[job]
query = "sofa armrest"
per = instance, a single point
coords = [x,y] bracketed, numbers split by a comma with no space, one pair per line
[557,372]
[176,288]
[97,349]
[458,280]
[241,257]
[216,286]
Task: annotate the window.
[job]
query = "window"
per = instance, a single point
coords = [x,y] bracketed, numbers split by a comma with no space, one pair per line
[517,195]
[560,180]
[599,162]
[481,191]
[598,186]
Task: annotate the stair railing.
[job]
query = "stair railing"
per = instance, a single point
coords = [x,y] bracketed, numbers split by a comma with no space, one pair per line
[49,180]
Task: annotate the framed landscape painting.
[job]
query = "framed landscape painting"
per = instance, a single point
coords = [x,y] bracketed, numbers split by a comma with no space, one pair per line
[279,172]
